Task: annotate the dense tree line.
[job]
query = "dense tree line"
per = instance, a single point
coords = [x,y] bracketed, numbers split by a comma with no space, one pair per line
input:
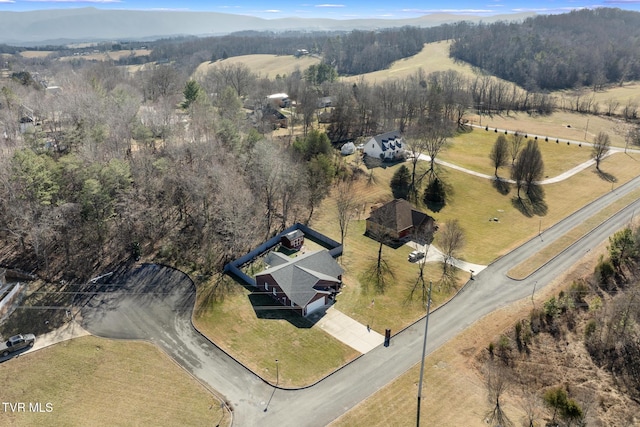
[350,53]
[365,109]
[588,47]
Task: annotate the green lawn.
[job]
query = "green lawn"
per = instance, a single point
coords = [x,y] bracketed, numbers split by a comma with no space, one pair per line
[471,150]
[98,382]
[257,331]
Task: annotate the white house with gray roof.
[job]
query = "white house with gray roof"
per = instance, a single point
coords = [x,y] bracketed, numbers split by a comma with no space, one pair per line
[305,283]
[386,146]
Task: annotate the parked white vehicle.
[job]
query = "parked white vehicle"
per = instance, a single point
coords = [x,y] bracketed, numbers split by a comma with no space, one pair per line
[416,255]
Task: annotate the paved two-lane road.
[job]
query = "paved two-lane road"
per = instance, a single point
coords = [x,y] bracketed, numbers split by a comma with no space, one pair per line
[155,303]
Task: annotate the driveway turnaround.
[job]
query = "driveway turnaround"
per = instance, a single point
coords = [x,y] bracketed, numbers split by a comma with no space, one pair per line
[155,303]
[434,254]
[343,328]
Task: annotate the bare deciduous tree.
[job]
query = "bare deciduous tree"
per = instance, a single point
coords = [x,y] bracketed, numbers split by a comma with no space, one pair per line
[346,205]
[237,76]
[531,406]
[601,146]
[516,144]
[497,383]
[499,153]
[422,236]
[451,239]
[434,133]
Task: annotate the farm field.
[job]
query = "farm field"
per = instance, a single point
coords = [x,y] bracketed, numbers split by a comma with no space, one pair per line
[561,124]
[93,56]
[35,53]
[247,325]
[109,55]
[433,57]
[628,92]
[89,380]
[265,65]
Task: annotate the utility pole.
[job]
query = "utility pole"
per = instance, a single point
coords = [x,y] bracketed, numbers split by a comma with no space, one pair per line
[424,350]
[585,130]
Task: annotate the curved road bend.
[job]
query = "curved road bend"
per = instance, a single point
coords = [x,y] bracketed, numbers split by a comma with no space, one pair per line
[164,319]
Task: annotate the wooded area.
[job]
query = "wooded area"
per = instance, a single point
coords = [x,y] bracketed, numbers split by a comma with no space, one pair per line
[586,47]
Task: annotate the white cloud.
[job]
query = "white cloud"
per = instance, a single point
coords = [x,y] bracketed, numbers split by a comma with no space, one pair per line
[448,10]
[330,5]
[549,9]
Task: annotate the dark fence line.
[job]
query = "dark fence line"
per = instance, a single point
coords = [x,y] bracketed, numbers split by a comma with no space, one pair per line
[335,250]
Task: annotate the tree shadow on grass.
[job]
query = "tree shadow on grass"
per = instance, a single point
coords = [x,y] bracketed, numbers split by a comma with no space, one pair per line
[503,186]
[606,176]
[534,205]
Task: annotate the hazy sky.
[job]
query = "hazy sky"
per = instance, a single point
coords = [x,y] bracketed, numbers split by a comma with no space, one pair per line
[335,9]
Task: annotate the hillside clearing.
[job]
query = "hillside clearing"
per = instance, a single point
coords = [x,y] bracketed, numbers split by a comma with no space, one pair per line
[267,66]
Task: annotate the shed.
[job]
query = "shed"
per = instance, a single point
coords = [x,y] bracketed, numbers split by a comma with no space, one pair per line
[293,240]
[348,148]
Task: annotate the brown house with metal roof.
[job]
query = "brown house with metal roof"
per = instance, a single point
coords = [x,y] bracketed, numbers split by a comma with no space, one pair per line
[399,219]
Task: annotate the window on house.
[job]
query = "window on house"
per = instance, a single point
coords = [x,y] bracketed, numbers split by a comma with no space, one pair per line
[266,286]
[274,291]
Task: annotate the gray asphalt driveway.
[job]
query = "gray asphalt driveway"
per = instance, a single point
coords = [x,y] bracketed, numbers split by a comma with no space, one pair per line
[154,303]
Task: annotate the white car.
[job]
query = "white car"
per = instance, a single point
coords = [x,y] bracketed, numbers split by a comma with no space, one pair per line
[416,255]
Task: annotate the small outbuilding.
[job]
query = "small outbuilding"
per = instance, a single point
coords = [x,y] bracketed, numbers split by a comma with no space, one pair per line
[280,100]
[348,148]
[293,240]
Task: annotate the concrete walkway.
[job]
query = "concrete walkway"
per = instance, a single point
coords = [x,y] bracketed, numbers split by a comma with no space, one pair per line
[65,332]
[345,329]
[435,255]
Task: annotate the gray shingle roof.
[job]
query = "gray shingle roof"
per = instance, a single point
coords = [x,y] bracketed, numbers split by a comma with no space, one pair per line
[298,277]
[389,140]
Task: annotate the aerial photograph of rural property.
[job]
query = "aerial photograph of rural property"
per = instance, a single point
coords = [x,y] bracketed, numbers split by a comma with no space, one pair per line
[354,214]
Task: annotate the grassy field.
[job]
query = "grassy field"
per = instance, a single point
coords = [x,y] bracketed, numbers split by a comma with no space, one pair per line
[471,150]
[98,382]
[561,124]
[265,65]
[433,57]
[475,201]
[35,53]
[528,266]
[109,55]
[256,331]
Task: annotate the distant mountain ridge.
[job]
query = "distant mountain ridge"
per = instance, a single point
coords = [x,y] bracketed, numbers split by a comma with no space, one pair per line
[91,24]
